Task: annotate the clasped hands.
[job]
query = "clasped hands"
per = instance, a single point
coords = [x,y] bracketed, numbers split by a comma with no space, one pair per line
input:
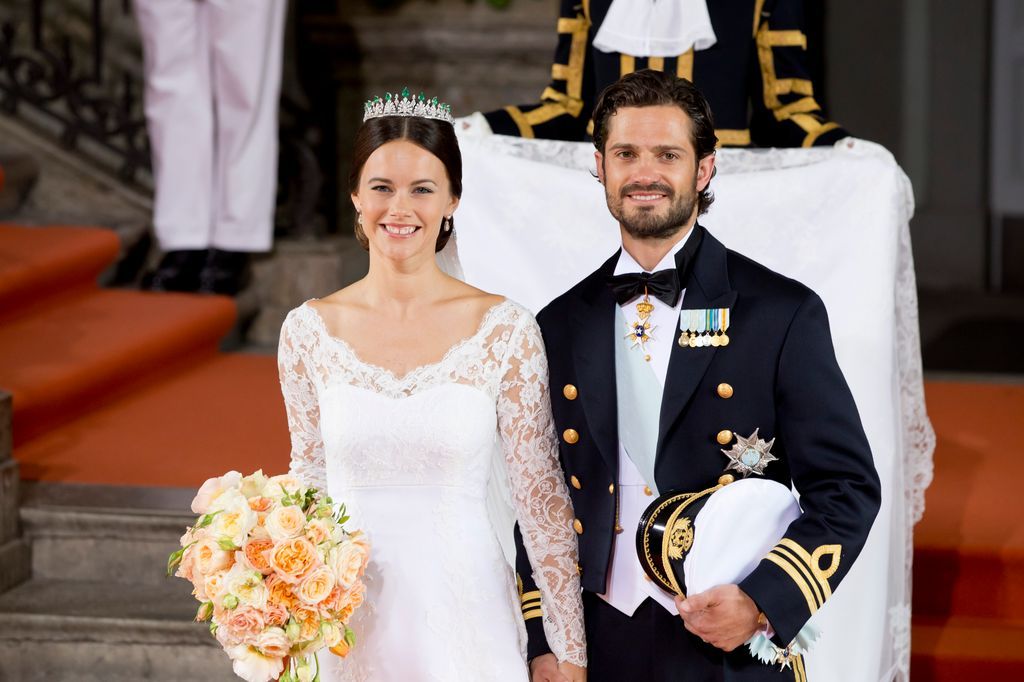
[546,668]
[723,616]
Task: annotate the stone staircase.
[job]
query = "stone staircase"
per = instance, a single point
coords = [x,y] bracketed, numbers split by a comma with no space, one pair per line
[98,606]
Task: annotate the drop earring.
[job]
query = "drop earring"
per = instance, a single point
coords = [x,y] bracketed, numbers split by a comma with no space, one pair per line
[447,224]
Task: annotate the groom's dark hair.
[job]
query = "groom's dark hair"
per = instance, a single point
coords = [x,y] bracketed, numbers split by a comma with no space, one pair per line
[649,88]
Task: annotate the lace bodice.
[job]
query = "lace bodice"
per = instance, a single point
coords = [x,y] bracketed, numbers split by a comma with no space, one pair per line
[497,379]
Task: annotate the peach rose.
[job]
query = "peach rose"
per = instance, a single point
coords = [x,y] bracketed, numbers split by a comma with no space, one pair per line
[316,586]
[208,557]
[275,614]
[280,592]
[309,623]
[255,553]
[294,559]
[351,600]
[260,504]
[213,586]
[348,561]
[211,490]
[318,531]
[273,642]
[285,523]
[244,624]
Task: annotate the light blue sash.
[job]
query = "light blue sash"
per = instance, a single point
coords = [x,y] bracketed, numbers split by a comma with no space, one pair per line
[638,396]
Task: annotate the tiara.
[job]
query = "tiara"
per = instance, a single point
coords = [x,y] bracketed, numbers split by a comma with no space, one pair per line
[405,105]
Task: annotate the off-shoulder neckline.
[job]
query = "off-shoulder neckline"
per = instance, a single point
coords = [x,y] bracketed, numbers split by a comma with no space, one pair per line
[399,378]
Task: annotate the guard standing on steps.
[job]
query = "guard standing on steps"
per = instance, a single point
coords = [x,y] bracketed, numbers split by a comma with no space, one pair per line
[213,77]
[748,57]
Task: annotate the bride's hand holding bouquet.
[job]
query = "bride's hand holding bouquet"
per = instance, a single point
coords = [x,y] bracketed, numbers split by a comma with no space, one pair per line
[275,572]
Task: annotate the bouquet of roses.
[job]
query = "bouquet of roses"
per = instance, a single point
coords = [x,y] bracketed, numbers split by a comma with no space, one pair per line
[275,572]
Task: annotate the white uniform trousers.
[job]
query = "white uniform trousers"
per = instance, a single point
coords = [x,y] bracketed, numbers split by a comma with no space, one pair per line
[213,79]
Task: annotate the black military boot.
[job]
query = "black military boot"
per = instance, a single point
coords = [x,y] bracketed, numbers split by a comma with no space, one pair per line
[225,272]
[177,271]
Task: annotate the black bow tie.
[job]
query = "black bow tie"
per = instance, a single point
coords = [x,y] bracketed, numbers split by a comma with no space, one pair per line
[663,285]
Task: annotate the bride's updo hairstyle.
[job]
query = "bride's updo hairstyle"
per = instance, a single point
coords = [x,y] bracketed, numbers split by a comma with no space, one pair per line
[437,137]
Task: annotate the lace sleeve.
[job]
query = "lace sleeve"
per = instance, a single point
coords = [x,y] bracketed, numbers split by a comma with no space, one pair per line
[539,493]
[301,405]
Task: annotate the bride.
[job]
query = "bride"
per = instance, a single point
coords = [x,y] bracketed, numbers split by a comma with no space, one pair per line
[422,403]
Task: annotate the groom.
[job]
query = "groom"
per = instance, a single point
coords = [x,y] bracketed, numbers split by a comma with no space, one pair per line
[731,361]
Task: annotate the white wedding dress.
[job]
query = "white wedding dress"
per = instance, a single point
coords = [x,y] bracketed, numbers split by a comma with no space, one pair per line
[413,457]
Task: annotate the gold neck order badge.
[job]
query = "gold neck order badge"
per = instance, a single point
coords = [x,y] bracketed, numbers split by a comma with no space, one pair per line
[639,332]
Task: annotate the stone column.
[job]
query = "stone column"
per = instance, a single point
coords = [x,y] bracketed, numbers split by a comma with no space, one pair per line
[15,565]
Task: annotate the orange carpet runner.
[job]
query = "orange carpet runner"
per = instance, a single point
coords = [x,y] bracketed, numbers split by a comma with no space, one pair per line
[125,387]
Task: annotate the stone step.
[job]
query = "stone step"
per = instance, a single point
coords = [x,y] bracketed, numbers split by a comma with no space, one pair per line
[90,631]
[104,533]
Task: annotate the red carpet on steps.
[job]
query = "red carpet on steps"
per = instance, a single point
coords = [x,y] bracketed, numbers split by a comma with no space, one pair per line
[223,413]
[969,547]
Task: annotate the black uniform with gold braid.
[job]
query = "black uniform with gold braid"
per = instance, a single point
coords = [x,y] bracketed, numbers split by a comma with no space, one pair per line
[777,375]
[757,65]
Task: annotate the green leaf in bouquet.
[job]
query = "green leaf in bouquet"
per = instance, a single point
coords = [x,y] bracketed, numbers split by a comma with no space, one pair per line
[227,544]
[230,601]
[350,636]
[205,611]
[206,519]
[213,628]
[174,560]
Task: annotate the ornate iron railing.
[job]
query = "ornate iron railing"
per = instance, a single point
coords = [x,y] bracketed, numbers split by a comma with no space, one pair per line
[70,86]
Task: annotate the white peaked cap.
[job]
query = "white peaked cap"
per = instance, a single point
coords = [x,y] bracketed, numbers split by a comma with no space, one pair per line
[735,529]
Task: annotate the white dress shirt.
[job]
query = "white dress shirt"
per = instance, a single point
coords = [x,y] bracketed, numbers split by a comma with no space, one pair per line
[628,585]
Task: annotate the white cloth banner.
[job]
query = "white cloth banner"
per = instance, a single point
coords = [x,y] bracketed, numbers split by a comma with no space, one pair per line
[533,221]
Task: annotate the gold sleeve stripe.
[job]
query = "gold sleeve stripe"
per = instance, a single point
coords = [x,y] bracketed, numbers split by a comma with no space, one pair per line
[567,25]
[531,604]
[543,114]
[586,10]
[536,613]
[573,106]
[656,63]
[627,64]
[590,128]
[525,130]
[758,5]
[535,594]
[559,72]
[812,607]
[799,674]
[801,106]
[812,559]
[800,86]
[805,571]
[684,65]
[771,38]
[813,137]
[733,138]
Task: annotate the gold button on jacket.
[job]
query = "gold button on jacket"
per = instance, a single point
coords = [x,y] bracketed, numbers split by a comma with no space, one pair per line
[724,437]
[570,392]
[724,390]
[577,525]
[570,436]
[575,482]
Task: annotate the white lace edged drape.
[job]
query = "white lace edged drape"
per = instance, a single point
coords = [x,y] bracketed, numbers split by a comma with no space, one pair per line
[505,358]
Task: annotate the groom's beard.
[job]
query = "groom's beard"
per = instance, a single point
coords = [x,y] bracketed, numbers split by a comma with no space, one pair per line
[646,222]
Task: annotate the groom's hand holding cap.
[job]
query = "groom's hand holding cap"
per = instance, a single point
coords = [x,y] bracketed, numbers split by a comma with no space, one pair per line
[723,616]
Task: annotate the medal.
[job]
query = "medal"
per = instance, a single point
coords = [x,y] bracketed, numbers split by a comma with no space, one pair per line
[639,332]
[750,455]
[703,328]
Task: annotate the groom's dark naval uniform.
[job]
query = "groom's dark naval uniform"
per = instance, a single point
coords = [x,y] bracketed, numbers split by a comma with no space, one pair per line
[779,375]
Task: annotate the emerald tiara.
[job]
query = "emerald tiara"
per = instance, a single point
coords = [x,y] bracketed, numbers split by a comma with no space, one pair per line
[406,105]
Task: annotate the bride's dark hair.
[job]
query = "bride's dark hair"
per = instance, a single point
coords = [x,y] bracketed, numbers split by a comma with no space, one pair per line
[437,137]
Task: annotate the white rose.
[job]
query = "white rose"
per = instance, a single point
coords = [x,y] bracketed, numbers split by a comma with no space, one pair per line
[251,665]
[285,523]
[247,585]
[212,489]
